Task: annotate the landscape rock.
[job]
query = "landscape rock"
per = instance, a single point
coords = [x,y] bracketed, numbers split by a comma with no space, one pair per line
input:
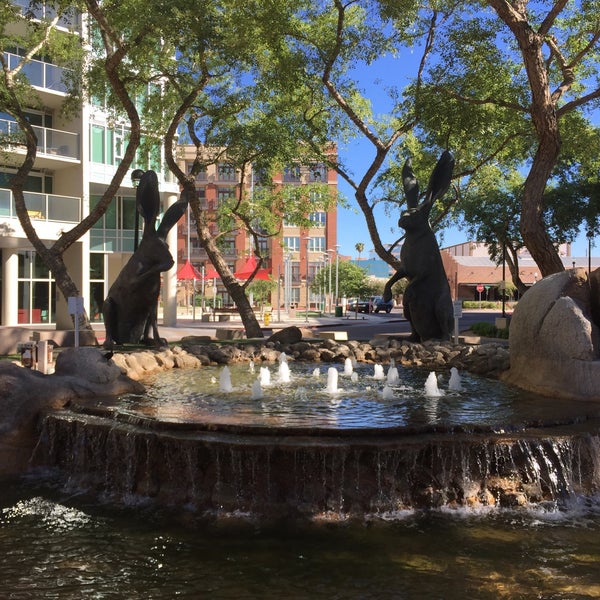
[554,338]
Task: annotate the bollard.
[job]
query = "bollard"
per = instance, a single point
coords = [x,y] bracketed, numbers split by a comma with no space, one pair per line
[42,356]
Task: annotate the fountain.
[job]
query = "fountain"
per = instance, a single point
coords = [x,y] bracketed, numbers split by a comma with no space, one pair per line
[295,448]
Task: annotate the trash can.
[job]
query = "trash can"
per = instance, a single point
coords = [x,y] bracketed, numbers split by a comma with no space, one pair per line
[339,311]
[267,318]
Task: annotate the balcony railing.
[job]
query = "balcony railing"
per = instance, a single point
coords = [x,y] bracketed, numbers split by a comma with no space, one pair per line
[40,74]
[44,207]
[70,19]
[51,142]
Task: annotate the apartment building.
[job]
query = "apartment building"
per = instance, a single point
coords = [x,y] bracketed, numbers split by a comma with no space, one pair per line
[293,257]
[77,157]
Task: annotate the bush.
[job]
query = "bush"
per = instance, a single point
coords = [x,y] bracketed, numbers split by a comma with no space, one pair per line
[489,330]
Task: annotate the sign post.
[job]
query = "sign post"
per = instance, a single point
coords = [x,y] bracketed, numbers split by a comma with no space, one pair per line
[480,289]
[75,305]
[457,308]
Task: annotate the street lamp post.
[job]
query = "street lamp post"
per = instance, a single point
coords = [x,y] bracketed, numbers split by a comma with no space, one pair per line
[307,298]
[287,284]
[136,177]
[337,275]
[330,270]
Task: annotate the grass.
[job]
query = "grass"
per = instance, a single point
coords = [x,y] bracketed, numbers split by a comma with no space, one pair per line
[489,330]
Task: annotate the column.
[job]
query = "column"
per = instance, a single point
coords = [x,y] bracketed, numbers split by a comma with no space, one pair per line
[10,287]
[169,289]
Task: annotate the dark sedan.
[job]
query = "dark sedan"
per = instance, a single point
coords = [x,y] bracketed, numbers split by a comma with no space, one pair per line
[373,304]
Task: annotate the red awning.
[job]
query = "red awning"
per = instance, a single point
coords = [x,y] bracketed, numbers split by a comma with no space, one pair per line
[248,269]
[211,274]
[188,271]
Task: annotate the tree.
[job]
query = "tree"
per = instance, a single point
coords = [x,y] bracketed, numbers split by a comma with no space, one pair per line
[261,289]
[514,82]
[16,95]
[352,280]
[359,248]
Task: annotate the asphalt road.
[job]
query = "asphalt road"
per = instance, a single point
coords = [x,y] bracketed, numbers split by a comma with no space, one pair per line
[365,327]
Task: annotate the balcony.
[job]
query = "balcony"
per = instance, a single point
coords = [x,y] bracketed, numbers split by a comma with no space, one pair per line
[43,207]
[70,18]
[40,74]
[53,143]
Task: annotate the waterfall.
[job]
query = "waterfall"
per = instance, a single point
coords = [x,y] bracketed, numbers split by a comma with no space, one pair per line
[221,470]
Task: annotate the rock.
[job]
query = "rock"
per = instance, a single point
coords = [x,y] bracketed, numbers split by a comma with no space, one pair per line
[25,394]
[88,363]
[555,319]
[289,335]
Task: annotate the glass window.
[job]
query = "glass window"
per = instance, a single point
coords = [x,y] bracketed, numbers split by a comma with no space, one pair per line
[291,243]
[226,172]
[96,265]
[98,144]
[292,173]
[317,172]
[318,219]
[316,244]
[128,213]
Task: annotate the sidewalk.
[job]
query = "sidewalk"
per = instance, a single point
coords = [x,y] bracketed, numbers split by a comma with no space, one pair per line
[186,325]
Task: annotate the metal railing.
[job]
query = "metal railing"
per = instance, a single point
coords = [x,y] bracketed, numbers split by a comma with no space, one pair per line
[40,74]
[52,142]
[70,19]
[44,207]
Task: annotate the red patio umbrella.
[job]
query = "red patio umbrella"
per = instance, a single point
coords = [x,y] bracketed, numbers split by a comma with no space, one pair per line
[248,269]
[211,274]
[188,271]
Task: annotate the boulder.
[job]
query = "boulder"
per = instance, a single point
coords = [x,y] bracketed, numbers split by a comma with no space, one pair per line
[26,394]
[289,335]
[554,340]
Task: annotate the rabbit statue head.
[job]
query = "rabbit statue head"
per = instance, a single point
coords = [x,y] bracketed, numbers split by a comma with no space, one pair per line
[416,216]
[130,308]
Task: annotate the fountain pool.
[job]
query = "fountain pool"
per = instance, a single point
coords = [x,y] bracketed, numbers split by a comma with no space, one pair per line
[468,489]
[339,445]
[65,547]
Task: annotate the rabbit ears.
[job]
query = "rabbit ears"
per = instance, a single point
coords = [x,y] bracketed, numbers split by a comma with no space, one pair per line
[438,182]
[148,201]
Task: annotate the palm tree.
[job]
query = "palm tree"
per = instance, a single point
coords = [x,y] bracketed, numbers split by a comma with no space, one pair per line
[359,248]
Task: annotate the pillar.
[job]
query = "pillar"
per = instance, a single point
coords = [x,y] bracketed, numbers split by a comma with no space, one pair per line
[10,288]
[169,291]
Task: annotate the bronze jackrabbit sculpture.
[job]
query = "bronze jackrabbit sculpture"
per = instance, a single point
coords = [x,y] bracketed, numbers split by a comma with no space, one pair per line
[427,300]
[130,308]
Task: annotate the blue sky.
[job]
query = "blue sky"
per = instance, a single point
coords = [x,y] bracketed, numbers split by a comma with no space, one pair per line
[358,155]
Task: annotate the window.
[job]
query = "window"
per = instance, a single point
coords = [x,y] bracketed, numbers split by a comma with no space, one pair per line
[200,175]
[224,194]
[317,172]
[292,174]
[316,197]
[97,285]
[318,219]
[226,172]
[291,243]
[36,290]
[316,244]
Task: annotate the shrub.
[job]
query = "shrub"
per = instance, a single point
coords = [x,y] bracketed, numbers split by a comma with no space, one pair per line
[489,330]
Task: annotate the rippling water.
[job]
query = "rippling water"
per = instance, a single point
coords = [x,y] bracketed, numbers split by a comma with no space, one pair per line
[66,548]
[195,395]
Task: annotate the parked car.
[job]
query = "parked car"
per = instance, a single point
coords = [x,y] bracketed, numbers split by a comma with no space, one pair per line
[381,305]
[369,305]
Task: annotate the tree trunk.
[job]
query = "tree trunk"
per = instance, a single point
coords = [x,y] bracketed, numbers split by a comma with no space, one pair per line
[512,260]
[545,122]
[237,292]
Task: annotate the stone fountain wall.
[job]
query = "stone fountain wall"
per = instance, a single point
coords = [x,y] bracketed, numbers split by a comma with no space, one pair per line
[349,475]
